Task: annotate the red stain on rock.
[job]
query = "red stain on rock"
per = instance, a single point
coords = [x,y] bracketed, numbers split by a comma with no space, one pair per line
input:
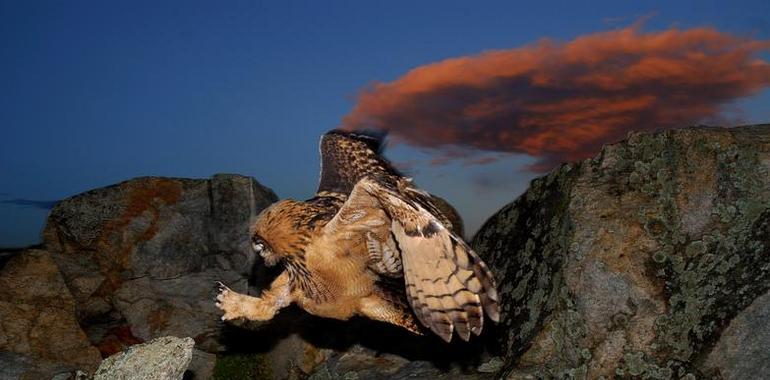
[116,340]
[158,320]
[117,242]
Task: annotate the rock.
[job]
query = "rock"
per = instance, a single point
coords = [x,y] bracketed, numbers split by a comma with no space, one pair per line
[641,262]
[492,366]
[747,337]
[15,366]
[650,261]
[293,354]
[142,257]
[164,358]
[201,366]
[363,349]
[39,331]
[361,363]
[296,345]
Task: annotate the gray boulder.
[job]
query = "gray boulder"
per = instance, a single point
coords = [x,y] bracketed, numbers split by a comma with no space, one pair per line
[650,261]
[164,358]
[142,257]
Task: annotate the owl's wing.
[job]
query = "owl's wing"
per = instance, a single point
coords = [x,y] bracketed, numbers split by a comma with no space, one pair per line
[447,285]
[347,156]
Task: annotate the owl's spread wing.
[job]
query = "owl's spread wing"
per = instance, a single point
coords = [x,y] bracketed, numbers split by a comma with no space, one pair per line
[346,157]
[447,285]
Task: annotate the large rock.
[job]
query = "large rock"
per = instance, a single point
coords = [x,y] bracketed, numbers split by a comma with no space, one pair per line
[127,263]
[164,358]
[641,262]
[39,333]
[142,257]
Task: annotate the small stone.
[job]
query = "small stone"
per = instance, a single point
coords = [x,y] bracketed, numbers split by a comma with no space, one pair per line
[492,366]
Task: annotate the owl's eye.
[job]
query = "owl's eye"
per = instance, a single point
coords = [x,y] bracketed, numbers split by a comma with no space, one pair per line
[257,246]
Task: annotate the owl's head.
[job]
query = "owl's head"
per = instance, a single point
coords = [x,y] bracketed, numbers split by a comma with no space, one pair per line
[280,231]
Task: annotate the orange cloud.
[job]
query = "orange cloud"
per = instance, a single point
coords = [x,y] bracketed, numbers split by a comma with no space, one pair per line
[563,101]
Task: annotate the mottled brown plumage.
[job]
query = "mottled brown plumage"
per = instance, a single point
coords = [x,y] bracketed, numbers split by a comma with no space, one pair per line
[372,244]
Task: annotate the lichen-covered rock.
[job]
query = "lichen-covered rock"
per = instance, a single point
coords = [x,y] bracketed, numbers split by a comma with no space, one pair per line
[639,263]
[743,349]
[39,333]
[142,257]
[164,358]
[359,363]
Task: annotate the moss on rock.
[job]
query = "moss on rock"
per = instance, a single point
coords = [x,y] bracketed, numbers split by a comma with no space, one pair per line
[635,261]
[242,366]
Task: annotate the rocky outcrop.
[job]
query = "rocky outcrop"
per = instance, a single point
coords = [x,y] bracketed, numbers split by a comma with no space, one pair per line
[140,257]
[164,358]
[650,261]
[128,263]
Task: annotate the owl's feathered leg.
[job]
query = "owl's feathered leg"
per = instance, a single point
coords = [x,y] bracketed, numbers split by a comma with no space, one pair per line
[377,308]
[262,308]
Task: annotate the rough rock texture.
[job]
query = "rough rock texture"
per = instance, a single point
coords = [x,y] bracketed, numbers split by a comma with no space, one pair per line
[141,257]
[747,336]
[640,263]
[15,366]
[37,320]
[127,263]
[164,358]
[201,366]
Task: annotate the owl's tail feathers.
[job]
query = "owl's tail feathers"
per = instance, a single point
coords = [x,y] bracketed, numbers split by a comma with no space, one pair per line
[482,282]
[448,285]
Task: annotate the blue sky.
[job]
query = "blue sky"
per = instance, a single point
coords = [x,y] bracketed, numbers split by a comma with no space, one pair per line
[93,93]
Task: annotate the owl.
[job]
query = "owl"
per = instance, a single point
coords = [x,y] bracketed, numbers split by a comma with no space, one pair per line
[369,243]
